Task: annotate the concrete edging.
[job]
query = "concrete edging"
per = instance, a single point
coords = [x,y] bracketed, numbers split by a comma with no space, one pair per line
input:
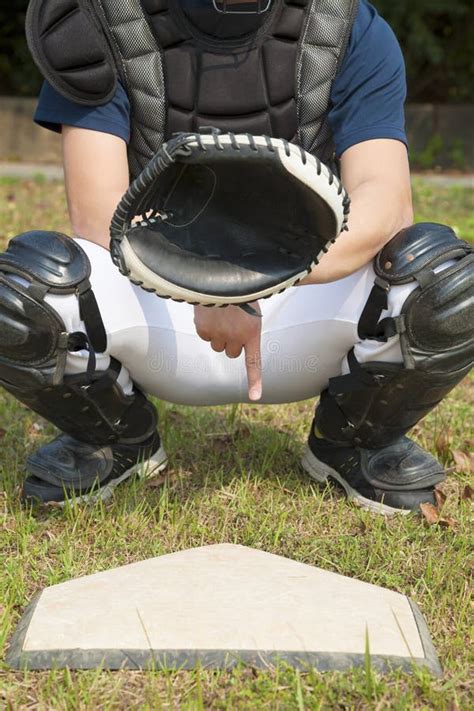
[50,172]
[438,134]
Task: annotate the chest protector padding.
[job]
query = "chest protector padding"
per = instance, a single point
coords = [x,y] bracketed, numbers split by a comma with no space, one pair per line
[241,84]
[82,71]
[275,80]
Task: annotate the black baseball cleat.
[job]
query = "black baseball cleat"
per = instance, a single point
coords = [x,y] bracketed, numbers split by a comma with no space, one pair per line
[396,478]
[69,469]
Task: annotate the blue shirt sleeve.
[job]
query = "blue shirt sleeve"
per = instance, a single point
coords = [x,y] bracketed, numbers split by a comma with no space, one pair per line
[369,92]
[54,111]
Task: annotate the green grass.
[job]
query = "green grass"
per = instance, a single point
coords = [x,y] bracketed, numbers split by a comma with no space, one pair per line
[453,205]
[234,477]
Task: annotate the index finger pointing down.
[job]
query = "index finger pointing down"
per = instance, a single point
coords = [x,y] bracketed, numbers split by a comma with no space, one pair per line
[253,363]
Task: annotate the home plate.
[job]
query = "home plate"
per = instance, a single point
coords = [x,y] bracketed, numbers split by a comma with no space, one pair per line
[217,606]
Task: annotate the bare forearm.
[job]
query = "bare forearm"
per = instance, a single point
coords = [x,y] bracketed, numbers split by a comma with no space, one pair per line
[96,174]
[377,177]
[376,216]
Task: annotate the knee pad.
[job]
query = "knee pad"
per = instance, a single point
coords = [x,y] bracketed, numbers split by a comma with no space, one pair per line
[436,323]
[378,402]
[34,343]
[32,334]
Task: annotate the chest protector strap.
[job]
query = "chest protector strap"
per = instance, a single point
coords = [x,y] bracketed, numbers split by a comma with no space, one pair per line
[122,41]
[323,45]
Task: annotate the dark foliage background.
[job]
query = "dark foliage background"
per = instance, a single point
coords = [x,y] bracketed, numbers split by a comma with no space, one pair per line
[437,37]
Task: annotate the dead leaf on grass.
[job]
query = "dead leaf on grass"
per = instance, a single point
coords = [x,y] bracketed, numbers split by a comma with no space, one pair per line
[464,461]
[467,493]
[430,513]
[432,517]
[443,440]
[447,522]
[440,497]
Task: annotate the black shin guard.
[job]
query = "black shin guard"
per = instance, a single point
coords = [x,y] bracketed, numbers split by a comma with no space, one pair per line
[376,403]
[34,344]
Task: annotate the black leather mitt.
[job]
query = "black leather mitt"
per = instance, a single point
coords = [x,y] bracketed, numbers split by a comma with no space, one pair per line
[219,219]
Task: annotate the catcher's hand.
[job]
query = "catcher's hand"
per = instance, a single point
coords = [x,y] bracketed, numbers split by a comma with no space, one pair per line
[231,330]
[226,219]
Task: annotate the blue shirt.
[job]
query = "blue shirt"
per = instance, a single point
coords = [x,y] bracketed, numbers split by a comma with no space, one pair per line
[367,97]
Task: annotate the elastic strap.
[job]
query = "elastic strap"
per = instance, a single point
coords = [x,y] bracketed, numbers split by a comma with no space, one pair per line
[90,314]
[78,341]
[108,377]
[357,379]
[368,326]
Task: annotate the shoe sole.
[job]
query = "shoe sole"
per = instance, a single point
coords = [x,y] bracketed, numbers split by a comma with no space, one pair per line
[321,472]
[146,470]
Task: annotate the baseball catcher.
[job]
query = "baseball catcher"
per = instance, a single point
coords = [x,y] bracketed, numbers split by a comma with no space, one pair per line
[242,230]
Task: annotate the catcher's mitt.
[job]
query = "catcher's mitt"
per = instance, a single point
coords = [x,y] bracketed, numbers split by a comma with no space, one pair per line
[226,219]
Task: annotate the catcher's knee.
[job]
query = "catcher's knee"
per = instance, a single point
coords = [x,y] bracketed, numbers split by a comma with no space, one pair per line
[33,337]
[34,343]
[376,402]
[436,323]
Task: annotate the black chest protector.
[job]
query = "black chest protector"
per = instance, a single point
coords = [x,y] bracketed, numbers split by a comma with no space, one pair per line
[263,74]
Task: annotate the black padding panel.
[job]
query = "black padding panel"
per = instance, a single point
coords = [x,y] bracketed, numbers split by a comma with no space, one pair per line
[245,84]
[221,90]
[29,328]
[180,65]
[279,62]
[51,258]
[70,50]
[440,317]
[416,248]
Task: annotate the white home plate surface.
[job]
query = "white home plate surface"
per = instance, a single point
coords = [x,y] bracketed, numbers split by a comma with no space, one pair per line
[220,605]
